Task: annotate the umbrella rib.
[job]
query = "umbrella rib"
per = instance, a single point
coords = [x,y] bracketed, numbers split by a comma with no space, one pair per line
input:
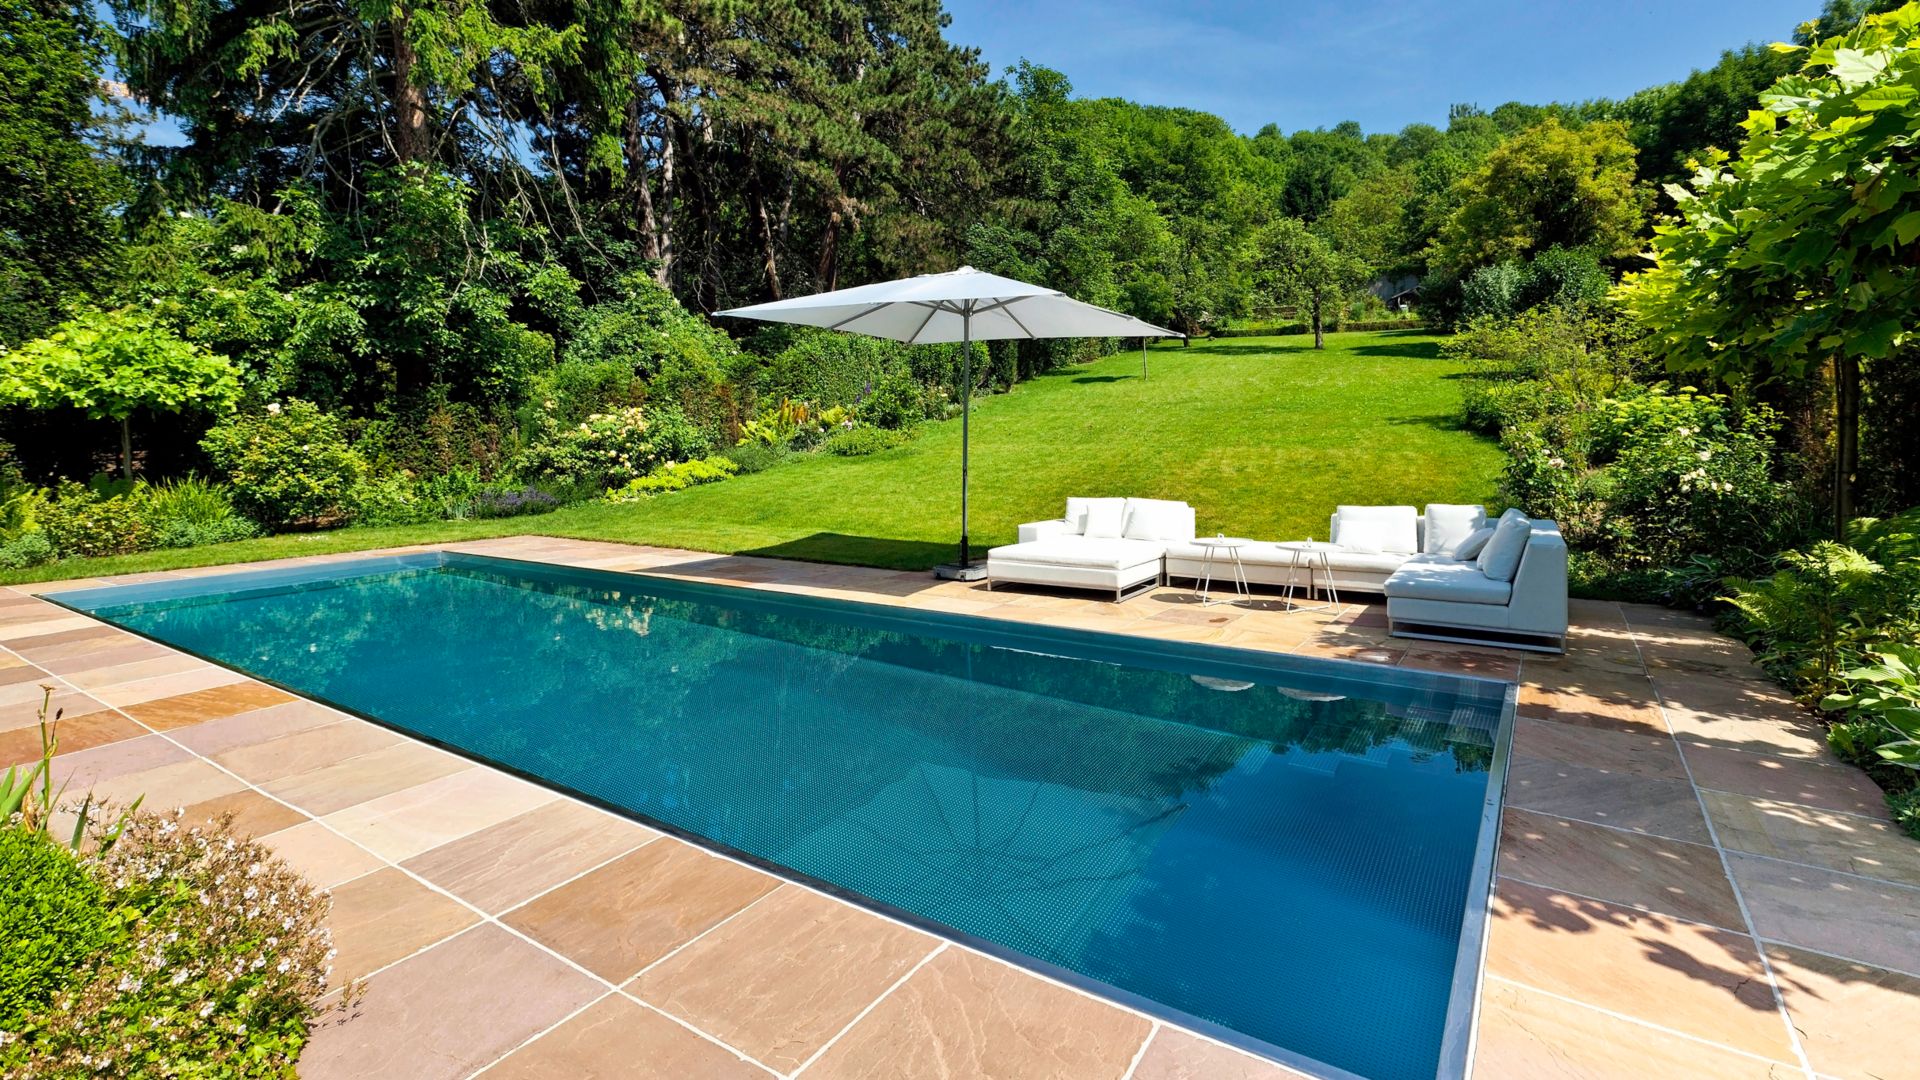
[862,315]
[1017,322]
[931,312]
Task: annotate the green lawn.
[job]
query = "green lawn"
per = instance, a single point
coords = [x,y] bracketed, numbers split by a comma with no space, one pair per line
[1263,436]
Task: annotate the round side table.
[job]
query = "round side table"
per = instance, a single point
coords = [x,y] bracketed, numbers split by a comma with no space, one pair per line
[1226,548]
[1311,554]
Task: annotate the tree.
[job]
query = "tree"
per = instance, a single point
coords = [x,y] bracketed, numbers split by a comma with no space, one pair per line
[1304,269]
[112,364]
[1798,255]
[56,232]
[1549,185]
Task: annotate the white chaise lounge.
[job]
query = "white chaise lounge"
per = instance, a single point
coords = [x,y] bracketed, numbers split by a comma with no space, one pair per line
[1116,544]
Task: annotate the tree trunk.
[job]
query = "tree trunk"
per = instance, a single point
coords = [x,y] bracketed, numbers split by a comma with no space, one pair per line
[126,446]
[768,263]
[640,187]
[1319,334]
[1846,457]
[829,269]
[409,99]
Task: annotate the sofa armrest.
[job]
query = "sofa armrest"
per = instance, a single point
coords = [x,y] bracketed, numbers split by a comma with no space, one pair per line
[1041,530]
[1539,604]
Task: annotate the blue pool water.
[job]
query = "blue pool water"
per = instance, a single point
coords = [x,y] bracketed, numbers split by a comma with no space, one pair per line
[1277,849]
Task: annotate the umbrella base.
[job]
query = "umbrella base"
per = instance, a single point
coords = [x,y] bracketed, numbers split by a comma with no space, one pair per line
[956,572]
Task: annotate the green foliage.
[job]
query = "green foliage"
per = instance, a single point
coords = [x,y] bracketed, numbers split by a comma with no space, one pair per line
[1493,292]
[203,955]
[674,476]
[83,520]
[31,548]
[753,457]
[54,918]
[110,363]
[861,441]
[1886,691]
[57,194]
[1548,186]
[288,463]
[191,511]
[1304,270]
[1823,611]
[1904,807]
[606,449]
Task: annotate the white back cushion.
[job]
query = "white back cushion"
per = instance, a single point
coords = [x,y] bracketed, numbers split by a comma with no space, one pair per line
[1389,529]
[1077,514]
[1106,518]
[1450,523]
[1471,545]
[1500,559]
[1158,519]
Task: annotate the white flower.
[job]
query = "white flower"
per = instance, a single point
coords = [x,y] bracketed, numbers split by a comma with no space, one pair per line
[273,409]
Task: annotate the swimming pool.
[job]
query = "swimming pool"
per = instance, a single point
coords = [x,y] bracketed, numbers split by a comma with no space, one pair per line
[1288,853]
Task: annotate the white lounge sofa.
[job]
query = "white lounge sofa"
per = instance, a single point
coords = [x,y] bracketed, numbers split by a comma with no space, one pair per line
[1512,594]
[1372,542]
[1116,544]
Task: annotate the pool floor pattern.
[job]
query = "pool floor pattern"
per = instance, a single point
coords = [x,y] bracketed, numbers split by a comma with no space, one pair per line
[1688,884]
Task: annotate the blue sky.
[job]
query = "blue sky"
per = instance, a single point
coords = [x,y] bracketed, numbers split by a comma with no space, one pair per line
[1314,63]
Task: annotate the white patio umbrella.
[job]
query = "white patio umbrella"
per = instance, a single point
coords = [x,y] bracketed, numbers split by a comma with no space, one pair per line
[964,305]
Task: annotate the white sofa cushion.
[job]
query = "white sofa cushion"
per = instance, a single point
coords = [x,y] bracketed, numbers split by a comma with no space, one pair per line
[1104,518]
[1470,546]
[1501,557]
[1371,529]
[1437,577]
[1086,551]
[1158,519]
[1450,523]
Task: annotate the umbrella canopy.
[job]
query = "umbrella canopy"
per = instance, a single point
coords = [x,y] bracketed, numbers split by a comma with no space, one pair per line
[964,305]
[960,305]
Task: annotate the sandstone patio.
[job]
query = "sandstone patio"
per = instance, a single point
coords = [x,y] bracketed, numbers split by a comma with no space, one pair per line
[1688,884]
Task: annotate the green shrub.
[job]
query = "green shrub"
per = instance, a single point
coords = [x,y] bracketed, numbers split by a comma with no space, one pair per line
[1905,808]
[1493,292]
[288,463]
[190,511]
[605,449]
[1821,612]
[212,963]
[753,457]
[54,919]
[30,548]
[101,518]
[392,499]
[897,403]
[860,441]
[674,476]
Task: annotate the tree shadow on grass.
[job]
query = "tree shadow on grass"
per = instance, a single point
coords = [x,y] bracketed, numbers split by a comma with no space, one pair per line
[1411,350]
[1104,378]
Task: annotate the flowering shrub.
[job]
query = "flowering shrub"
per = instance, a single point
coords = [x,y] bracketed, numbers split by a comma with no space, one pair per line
[288,463]
[1705,485]
[675,476]
[203,955]
[603,450]
[105,518]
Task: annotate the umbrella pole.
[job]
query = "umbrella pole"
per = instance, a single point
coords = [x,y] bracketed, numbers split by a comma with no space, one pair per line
[966,411]
[1143,358]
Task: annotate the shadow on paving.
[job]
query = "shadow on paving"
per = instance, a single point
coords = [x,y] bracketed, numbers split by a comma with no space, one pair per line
[878,551]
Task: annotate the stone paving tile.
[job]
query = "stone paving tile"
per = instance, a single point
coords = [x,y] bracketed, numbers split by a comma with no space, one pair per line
[1828,785]
[1173,1054]
[1684,976]
[14,671]
[364,777]
[198,706]
[65,704]
[324,856]
[166,787]
[505,864]
[68,661]
[965,1015]
[86,767]
[1855,1020]
[1638,754]
[617,1038]
[205,676]
[1572,699]
[1806,834]
[66,642]
[1641,803]
[640,907]
[1859,918]
[1647,872]
[785,976]
[253,814]
[424,816]
[386,916]
[306,750]
[256,726]
[449,1011]
[74,734]
[96,678]
[1526,1035]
